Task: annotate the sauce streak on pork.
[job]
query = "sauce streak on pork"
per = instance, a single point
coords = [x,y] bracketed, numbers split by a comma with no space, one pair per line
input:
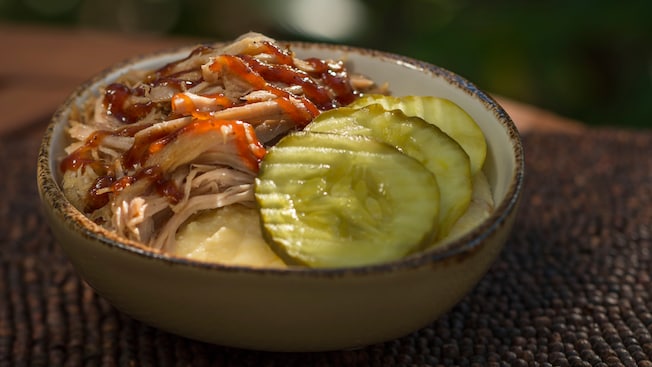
[193,118]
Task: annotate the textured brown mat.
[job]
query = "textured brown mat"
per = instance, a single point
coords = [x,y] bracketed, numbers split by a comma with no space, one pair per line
[572,287]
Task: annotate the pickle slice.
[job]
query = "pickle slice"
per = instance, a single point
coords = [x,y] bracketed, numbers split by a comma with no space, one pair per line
[481,207]
[329,200]
[411,135]
[444,114]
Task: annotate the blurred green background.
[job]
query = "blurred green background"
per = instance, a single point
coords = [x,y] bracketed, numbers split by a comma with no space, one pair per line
[588,60]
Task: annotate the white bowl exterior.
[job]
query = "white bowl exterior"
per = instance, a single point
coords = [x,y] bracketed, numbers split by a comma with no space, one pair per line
[295,310]
[274,311]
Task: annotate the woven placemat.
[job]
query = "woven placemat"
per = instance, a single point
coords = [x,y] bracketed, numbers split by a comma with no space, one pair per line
[571,288]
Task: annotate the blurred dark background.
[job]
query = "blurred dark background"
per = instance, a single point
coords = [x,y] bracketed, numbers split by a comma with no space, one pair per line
[588,60]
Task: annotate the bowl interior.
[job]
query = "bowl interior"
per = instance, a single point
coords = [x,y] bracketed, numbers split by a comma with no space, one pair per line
[405,76]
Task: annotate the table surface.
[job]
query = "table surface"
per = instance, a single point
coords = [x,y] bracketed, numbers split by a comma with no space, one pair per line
[573,286]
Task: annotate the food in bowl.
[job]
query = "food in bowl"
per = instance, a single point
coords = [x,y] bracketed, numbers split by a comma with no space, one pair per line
[185,159]
[294,308]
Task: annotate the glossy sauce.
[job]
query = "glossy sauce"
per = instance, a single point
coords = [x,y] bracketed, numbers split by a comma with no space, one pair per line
[115,101]
[324,87]
[163,186]
[335,78]
[241,134]
[83,156]
[183,104]
[98,194]
[136,155]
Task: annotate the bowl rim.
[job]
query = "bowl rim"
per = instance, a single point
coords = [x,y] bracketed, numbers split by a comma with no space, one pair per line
[51,193]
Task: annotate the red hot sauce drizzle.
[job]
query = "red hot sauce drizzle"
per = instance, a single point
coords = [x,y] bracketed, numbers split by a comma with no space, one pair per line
[324,87]
[244,67]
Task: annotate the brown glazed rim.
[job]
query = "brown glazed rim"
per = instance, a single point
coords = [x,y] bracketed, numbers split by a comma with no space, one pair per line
[454,251]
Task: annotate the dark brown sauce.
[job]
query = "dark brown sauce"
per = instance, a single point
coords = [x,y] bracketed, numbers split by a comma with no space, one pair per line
[325,87]
[245,67]
[137,154]
[334,78]
[289,75]
[163,186]
[282,56]
[83,156]
[337,80]
[117,95]
[116,102]
[96,198]
[98,194]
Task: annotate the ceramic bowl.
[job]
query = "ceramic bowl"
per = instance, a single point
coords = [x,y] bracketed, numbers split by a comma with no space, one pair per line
[296,309]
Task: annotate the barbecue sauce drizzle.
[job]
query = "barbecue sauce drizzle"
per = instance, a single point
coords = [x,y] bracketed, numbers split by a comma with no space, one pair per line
[326,86]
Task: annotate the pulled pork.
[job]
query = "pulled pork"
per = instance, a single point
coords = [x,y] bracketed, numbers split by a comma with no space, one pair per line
[157,147]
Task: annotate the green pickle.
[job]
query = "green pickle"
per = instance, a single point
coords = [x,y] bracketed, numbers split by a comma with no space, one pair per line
[332,200]
[372,182]
[443,113]
[426,143]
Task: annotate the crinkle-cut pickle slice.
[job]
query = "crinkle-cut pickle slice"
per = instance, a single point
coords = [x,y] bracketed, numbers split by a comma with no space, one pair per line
[330,200]
[411,135]
[444,114]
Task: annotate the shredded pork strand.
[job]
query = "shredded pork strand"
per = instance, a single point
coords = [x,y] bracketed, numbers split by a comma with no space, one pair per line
[158,146]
